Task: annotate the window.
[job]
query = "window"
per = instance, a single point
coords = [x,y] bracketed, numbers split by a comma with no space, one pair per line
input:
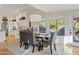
[44,26]
[57,25]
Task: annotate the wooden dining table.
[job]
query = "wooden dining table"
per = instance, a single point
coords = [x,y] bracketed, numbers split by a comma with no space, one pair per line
[41,37]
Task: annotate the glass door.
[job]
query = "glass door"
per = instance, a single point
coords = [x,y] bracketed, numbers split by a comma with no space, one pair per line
[57,25]
[76,29]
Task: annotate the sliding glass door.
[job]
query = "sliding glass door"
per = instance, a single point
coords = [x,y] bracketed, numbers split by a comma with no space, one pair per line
[76,29]
[54,25]
[57,25]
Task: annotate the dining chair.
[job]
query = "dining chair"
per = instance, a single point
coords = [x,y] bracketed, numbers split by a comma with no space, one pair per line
[26,40]
[51,41]
[32,41]
[23,39]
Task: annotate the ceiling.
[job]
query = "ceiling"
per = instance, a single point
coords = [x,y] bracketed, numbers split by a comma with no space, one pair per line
[6,10]
[12,9]
[54,8]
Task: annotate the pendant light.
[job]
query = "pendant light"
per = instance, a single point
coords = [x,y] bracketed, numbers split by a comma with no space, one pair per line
[4,19]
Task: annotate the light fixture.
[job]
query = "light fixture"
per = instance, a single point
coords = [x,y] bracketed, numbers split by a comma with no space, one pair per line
[14,20]
[22,18]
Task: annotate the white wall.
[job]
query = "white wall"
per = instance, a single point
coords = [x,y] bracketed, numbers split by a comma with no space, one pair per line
[2,36]
[23,23]
[68,24]
[0,23]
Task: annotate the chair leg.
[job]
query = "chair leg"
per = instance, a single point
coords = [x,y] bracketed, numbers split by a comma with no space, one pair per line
[27,47]
[33,48]
[55,46]
[51,49]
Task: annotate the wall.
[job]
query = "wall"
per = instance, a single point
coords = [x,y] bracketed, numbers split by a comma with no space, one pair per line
[0,23]
[18,23]
[35,20]
[35,26]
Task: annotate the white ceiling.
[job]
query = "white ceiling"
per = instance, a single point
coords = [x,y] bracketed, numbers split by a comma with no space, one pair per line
[6,10]
[54,8]
[12,9]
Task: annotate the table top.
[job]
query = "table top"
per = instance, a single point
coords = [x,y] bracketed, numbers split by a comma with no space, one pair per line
[41,37]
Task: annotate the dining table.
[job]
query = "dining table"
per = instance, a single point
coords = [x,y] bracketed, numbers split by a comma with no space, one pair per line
[41,37]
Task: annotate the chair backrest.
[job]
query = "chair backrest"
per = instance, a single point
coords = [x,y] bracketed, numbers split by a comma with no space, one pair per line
[26,39]
[21,35]
[24,36]
[30,37]
[52,38]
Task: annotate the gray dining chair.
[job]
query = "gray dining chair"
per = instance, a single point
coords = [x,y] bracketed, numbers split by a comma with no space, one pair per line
[21,38]
[51,41]
[24,39]
[32,41]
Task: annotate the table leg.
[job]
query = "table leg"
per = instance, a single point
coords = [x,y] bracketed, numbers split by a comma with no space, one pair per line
[42,44]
